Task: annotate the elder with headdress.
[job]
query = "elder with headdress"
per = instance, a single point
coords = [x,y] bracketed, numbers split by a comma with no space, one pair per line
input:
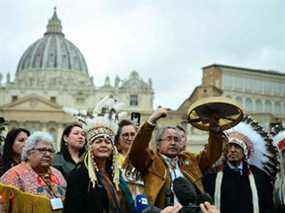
[242,182]
[278,136]
[96,184]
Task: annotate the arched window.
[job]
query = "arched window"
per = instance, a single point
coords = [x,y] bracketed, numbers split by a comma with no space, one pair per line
[268,106]
[258,106]
[239,99]
[248,105]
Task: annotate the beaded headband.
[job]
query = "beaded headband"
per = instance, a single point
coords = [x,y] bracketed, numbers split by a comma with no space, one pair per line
[98,132]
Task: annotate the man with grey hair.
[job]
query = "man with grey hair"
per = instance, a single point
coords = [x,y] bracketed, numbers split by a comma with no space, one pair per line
[160,168]
[35,173]
[167,133]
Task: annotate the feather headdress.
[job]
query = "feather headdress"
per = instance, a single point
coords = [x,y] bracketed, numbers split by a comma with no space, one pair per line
[260,150]
[278,136]
[100,122]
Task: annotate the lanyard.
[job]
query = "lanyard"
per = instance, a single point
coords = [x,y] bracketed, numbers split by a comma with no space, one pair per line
[48,184]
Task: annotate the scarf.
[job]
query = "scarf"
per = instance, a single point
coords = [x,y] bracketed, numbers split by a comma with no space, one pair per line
[218,189]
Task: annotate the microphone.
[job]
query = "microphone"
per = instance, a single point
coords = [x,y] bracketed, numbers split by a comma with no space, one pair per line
[141,202]
[186,195]
[204,197]
[184,191]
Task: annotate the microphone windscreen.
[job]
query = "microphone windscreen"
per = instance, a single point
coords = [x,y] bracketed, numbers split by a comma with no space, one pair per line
[141,202]
[184,191]
[204,197]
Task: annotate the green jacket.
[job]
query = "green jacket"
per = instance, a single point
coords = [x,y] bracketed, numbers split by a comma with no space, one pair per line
[63,165]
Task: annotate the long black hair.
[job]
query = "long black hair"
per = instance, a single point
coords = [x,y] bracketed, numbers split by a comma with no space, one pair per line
[63,145]
[8,152]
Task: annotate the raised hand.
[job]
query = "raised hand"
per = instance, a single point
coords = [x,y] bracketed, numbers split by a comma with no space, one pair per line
[156,115]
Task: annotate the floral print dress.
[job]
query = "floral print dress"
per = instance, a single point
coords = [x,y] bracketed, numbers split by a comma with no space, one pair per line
[26,179]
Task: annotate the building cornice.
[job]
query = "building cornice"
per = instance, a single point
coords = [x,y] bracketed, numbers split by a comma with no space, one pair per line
[259,71]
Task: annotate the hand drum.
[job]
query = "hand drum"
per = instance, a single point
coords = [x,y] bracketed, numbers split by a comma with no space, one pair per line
[221,112]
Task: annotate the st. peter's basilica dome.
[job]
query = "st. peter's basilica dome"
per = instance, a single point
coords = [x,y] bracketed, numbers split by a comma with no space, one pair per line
[52,52]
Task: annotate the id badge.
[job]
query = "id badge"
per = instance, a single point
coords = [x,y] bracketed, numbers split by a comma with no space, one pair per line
[56,203]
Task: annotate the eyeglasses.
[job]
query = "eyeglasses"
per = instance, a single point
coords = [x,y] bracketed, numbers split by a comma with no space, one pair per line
[45,150]
[170,138]
[128,134]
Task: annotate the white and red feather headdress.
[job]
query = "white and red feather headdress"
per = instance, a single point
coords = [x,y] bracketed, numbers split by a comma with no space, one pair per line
[278,136]
[260,150]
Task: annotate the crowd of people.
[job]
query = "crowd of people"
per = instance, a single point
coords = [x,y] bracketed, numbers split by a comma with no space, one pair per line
[107,166]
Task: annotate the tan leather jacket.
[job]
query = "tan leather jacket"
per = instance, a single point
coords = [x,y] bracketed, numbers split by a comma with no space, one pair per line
[154,171]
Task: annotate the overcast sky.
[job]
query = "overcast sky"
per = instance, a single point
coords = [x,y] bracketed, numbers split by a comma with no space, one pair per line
[166,40]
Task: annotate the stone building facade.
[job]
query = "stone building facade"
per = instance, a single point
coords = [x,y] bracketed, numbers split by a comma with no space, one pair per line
[52,74]
[261,93]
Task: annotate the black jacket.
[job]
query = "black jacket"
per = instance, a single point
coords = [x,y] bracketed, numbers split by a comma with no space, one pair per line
[82,197]
[236,195]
